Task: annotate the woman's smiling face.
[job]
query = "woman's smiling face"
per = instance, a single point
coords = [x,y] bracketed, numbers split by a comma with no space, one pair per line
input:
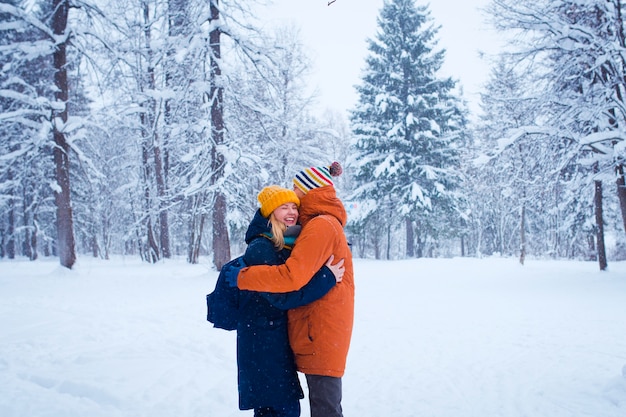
[287,214]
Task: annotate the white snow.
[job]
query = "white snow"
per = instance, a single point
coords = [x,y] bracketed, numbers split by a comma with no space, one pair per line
[432,337]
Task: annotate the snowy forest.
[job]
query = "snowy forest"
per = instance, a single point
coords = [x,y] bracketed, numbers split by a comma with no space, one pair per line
[147,128]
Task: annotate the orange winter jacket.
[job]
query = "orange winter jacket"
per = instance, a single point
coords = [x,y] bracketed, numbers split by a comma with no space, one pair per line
[320,332]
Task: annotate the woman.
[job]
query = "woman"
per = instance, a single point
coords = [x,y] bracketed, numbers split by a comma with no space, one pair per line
[268,381]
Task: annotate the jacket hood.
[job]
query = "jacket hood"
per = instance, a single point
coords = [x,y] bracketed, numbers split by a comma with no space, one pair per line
[319,201]
[258,226]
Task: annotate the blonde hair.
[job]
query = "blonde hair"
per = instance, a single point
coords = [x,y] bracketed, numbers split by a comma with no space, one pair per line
[278,232]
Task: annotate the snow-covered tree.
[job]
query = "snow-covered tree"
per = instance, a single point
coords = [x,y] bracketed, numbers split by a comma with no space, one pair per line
[164,93]
[37,102]
[406,127]
[157,141]
[508,181]
[272,132]
[576,49]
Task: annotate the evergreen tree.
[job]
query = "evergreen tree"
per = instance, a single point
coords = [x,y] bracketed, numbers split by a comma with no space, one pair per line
[406,127]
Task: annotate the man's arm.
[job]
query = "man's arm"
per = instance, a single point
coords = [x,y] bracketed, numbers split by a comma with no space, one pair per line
[322,282]
[312,250]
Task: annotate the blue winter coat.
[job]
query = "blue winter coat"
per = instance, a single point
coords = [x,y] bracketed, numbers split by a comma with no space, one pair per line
[266,367]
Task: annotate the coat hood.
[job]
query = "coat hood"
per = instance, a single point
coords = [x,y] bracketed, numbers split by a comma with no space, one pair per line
[319,201]
[258,226]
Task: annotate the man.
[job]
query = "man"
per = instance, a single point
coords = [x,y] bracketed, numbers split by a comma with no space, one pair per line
[320,332]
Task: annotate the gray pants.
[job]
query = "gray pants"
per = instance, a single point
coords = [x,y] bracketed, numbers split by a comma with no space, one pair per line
[324,395]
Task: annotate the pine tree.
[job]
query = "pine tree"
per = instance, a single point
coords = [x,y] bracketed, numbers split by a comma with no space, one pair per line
[407,129]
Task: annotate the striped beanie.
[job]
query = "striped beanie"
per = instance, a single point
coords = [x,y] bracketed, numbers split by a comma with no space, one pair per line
[273,196]
[315,177]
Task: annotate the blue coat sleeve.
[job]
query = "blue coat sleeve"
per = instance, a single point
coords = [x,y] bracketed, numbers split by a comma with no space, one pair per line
[316,288]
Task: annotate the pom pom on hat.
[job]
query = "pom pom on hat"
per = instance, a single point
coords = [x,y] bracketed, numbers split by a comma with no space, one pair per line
[274,196]
[315,177]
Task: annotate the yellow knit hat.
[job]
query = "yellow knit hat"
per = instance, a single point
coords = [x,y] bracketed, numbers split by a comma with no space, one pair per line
[274,196]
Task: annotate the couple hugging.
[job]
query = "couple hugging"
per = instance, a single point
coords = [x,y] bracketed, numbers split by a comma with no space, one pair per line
[295,308]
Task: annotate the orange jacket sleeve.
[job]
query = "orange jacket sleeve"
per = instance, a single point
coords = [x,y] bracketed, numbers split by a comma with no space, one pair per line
[313,248]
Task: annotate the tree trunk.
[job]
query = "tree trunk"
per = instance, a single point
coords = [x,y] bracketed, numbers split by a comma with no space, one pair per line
[94,245]
[10,241]
[29,219]
[196,228]
[33,239]
[376,245]
[388,240]
[164,228]
[522,255]
[621,192]
[463,246]
[410,239]
[27,249]
[177,23]
[10,232]
[420,243]
[151,249]
[221,242]
[600,226]
[65,223]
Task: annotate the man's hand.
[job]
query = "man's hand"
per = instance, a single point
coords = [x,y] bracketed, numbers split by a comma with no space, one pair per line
[337,269]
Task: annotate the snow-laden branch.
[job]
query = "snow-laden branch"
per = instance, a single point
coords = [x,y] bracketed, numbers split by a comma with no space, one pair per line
[11,156]
[28,18]
[518,133]
[26,117]
[600,137]
[39,102]
[30,49]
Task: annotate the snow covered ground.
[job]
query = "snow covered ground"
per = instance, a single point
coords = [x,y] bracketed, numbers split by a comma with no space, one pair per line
[432,337]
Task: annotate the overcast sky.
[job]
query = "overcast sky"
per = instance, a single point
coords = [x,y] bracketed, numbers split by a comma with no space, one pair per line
[336,38]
